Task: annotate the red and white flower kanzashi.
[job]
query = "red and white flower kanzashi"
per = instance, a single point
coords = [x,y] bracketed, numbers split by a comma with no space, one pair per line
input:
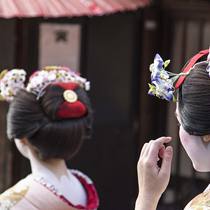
[13,80]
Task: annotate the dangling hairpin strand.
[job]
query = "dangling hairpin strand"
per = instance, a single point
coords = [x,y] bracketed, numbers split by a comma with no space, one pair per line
[208,60]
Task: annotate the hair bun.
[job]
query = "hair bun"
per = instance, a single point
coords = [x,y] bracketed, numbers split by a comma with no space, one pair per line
[62,101]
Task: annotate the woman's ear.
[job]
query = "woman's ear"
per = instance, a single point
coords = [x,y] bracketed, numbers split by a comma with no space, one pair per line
[206,138]
[23,146]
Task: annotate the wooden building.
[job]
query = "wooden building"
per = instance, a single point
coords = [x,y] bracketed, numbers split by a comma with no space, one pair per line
[113,51]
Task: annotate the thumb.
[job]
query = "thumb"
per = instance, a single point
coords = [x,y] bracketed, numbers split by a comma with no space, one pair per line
[166,162]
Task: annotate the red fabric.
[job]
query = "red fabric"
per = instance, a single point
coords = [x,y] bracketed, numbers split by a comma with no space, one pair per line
[67,86]
[71,110]
[65,8]
[191,63]
[93,200]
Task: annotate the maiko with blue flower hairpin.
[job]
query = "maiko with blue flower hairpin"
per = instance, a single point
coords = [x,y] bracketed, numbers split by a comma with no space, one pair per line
[191,88]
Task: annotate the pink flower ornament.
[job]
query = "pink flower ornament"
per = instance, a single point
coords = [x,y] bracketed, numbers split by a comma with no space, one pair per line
[54,74]
[13,80]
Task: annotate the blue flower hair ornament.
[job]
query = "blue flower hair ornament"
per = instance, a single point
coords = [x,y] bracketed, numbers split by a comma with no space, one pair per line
[162,81]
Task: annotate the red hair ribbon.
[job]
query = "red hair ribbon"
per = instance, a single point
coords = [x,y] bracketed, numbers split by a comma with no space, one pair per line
[191,63]
[70,110]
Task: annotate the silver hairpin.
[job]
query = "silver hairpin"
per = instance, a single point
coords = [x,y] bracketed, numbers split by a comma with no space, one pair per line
[208,61]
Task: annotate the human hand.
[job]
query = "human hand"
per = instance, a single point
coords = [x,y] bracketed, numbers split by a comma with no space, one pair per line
[153,179]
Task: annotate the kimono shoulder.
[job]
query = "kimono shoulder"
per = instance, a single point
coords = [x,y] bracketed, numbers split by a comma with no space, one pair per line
[13,195]
[35,197]
[200,202]
[24,196]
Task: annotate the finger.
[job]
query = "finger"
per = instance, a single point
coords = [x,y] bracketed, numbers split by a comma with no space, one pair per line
[163,140]
[165,169]
[161,151]
[143,150]
[156,146]
[139,165]
[147,148]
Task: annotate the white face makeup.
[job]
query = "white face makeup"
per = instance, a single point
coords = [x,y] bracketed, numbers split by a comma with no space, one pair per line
[197,150]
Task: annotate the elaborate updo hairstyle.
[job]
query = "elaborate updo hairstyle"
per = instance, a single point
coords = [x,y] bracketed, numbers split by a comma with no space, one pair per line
[52,135]
[194,101]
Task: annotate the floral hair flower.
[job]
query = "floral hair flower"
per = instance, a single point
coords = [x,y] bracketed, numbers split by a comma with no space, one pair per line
[162,81]
[54,74]
[11,82]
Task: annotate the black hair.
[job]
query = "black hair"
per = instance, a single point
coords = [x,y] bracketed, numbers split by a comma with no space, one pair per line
[194,101]
[36,120]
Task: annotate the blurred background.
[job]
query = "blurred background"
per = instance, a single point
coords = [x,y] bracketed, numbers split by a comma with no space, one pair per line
[112,43]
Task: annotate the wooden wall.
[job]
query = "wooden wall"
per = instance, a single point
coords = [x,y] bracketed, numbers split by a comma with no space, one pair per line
[7,57]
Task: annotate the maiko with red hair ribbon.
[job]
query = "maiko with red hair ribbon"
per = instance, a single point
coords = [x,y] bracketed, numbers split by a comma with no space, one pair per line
[193,116]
